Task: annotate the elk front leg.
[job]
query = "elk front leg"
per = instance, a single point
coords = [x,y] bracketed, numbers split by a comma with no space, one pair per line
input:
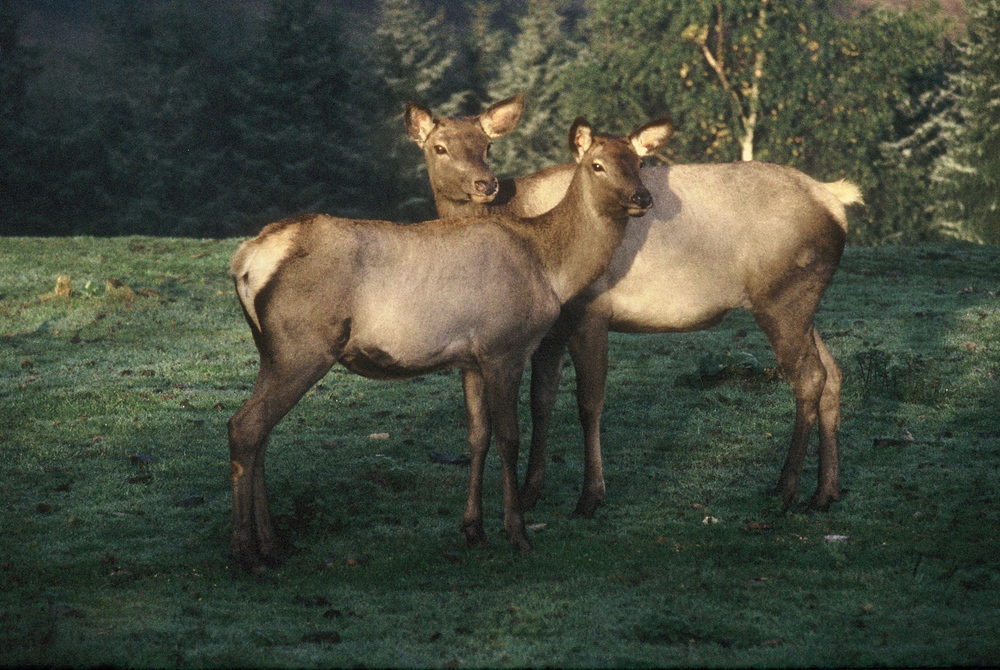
[589,350]
[479,444]
[502,383]
[546,368]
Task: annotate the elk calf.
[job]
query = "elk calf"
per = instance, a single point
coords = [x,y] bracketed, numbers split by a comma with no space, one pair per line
[392,301]
[719,237]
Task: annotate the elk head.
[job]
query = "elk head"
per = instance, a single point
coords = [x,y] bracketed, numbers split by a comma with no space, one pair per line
[456,149]
[616,161]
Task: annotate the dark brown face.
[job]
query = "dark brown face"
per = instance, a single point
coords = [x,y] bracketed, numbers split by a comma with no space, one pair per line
[612,167]
[457,152]
[456,149]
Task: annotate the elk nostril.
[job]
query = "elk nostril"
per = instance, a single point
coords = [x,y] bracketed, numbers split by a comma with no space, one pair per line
[486,187]
[642,198]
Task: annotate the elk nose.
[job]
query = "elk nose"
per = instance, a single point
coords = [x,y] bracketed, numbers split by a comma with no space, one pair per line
[641,198]
[486,187]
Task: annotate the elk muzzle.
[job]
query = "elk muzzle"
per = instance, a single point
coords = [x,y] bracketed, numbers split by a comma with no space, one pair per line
[639,202]
[486,190]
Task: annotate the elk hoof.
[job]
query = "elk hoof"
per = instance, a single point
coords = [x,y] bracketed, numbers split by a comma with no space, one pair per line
[788,494]
[586,507]
[252,563]
[522,546]
[475,536]
[820,502]
[530,497]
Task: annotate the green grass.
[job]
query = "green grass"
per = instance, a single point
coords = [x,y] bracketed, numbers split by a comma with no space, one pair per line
[114,488]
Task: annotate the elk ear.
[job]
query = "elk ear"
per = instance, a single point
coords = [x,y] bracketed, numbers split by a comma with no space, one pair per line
[580,138]
[502,117]
[419,122]
[652,136]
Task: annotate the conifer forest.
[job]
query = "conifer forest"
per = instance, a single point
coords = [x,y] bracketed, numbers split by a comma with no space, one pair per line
[210,119]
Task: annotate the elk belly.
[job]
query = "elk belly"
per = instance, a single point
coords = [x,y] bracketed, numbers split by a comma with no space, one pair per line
[377,364]
[670,303]
[403,349]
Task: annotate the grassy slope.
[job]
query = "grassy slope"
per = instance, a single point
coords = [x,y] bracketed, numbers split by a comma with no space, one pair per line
[115,501]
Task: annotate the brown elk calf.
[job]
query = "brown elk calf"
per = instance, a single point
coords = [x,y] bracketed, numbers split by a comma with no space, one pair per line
[392,301]
[720,236]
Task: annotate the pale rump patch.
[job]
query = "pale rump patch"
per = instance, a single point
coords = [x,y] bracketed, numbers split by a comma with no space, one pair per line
[235,470]
[255,263]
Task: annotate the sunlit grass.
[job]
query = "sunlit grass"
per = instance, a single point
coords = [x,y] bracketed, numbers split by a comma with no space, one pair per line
[114,487]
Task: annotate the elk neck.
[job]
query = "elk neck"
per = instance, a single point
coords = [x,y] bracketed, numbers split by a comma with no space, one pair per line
[577,238]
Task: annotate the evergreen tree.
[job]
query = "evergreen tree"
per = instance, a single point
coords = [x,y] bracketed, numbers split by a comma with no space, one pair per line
[636,66]
[412,53]
[17,177]
[906,195]
[73,193]
[14,66]
[161,112]
[480,57]
[884,94]
[66,155]
[968,174]
[298,131]
[538,65]
[51,155]
[176,126]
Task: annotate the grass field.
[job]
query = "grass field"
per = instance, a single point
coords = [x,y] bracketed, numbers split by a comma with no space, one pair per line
[115,500]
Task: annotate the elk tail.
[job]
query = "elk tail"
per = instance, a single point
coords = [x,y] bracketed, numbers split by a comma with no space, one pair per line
[846,192]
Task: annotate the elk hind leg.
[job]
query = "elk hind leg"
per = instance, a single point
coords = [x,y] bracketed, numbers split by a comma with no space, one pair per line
[794,345]
[828,486]
[277,390]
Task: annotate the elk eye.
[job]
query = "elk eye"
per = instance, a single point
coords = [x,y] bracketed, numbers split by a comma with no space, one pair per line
[440,150]
[598,167]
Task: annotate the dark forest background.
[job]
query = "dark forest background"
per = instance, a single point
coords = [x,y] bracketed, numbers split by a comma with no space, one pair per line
[211,118]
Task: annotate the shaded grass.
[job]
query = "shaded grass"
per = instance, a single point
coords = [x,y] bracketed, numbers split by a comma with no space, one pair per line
[114,487]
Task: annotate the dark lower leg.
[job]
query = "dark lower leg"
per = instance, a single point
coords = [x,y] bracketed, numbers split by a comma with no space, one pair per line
[589,350]
[828,486]
[801,362]
[501,388]
[276,391]
[546,369]
[479,436]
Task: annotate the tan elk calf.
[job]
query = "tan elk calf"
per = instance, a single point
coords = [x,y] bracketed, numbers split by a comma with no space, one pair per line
[392,301]
[719,236]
